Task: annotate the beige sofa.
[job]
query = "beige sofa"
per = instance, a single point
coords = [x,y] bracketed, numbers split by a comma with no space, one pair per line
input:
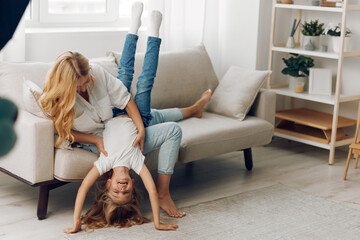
[182,77]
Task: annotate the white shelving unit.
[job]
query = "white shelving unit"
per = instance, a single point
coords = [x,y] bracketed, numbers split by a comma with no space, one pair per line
[332,132]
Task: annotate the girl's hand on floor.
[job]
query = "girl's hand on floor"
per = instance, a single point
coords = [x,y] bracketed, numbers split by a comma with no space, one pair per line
[75,229]
[140,138]
[100,146]
[163,226]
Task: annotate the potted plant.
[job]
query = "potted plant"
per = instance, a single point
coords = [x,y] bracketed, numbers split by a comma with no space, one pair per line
[334,32]
[311,32]
[297,67]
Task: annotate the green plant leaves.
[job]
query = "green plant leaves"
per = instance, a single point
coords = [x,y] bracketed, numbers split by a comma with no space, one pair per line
[314,28]
[297,65]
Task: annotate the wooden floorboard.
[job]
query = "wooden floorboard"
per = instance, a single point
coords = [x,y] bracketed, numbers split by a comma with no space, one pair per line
[293,164]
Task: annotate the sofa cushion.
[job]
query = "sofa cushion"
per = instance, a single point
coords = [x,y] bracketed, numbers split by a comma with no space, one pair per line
[214,134]
[108,63]
[31,95]
[211,135]
[182,77]
[236,92]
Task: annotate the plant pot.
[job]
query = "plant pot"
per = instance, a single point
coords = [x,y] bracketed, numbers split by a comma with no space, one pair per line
[297,84]
[314,40]
[335,44]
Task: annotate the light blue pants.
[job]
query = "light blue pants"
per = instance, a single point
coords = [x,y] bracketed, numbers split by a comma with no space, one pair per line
[161,131]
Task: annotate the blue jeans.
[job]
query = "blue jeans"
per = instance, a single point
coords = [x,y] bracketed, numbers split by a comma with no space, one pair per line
[161,131]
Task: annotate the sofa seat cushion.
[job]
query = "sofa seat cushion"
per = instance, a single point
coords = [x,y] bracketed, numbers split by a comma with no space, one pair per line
[214,134]
[211,135]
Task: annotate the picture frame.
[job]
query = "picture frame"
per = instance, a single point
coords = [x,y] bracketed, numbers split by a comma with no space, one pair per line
[320,81]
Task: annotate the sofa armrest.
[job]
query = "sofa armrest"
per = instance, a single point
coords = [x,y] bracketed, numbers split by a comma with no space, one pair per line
[32,157]
[264,106]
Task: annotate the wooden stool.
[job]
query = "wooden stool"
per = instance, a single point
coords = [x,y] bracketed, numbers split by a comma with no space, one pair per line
[354,148]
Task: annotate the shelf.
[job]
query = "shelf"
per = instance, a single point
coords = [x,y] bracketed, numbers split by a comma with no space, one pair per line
[315,97]
[313,143]
[317,8]
[312,127]
[310,8]
[312,118]
[301,51]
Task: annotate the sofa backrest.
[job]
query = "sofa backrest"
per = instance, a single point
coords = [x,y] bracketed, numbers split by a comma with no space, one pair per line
[12,76]
[182,76]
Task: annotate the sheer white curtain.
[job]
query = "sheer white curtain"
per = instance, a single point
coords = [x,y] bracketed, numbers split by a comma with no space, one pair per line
[183,22]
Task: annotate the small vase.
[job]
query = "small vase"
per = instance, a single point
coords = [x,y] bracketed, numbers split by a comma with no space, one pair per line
[315,41]
[290,42]
[335,44]
[287,1]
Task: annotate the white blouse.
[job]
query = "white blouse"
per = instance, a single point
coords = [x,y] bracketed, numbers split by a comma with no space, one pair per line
[108,91]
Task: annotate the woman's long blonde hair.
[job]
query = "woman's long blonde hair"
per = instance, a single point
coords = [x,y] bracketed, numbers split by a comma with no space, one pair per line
[106,213]
[59,94]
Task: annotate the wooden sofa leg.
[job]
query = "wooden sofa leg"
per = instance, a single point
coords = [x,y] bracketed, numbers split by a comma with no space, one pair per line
[43,202]
[44,197]
[248,159]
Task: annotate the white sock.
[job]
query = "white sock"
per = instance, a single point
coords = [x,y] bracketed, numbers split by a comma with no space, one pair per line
[154,24]
[136,11]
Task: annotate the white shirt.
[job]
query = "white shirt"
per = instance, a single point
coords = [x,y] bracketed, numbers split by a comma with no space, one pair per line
[119,135]
[108,91]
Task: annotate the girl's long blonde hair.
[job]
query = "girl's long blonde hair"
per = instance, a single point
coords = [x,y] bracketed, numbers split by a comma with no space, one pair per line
[59,93]
[106,213]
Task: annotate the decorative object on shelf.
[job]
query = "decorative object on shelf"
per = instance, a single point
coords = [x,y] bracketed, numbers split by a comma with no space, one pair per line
[320,81]
[315,2]
[287,1]
[334,32]
[328,3]
[309,46]
[297,66]
[291,42]
[311,31]
[300,85]
[323,48]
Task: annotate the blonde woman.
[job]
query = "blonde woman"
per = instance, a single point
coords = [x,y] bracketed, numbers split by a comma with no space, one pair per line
[80,107]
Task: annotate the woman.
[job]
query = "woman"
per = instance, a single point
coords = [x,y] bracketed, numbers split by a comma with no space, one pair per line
[81,107]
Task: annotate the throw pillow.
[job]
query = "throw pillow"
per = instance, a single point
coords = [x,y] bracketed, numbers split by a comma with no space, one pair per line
[236,92]
[108,63]
[31,95]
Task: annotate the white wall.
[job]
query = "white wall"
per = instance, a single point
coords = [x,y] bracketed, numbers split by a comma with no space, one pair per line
[46,46]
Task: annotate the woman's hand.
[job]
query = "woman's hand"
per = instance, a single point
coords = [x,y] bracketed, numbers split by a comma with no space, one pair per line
[163,226]
[100,145]
[75,229]
[140,138]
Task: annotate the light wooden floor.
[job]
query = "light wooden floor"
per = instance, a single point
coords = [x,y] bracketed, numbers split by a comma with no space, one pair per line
[293,164]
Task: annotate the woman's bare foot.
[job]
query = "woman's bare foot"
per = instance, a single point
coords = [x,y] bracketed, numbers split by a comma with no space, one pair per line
[168,205]
[197,108]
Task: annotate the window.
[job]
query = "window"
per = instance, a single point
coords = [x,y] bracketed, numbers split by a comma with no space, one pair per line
[78,10]
[78,13]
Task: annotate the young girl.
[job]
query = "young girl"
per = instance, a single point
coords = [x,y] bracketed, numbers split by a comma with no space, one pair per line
[117,205]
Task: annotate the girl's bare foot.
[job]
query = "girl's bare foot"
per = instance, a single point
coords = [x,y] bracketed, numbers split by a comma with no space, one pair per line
[168,205]
[197,108]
